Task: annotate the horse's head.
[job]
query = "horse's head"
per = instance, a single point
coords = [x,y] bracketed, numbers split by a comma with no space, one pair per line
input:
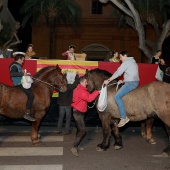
[60,81]
[96,78]
[52,76]
[93,80]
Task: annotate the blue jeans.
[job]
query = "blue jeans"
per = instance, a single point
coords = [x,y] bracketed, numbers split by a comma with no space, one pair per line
[62,111]
[126,88]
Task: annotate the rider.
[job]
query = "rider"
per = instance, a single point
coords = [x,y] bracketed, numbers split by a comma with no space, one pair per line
[16,74]
[131,81]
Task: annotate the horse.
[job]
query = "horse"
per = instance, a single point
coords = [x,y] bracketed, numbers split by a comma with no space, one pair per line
[143,103]
[13,100]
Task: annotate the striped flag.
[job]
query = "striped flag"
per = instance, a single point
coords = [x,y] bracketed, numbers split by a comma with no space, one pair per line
[68,65]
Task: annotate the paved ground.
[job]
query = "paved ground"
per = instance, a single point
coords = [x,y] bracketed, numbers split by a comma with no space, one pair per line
[18,153]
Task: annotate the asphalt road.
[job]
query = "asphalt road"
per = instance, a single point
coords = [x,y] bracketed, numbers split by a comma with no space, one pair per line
[18,153]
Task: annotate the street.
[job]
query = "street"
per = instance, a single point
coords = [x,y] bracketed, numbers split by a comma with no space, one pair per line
[18,153]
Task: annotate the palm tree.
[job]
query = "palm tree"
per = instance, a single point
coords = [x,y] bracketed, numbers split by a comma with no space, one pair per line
[55,12]
[139,14]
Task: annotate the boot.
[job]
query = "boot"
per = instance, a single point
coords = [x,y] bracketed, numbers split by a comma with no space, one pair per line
[27,116]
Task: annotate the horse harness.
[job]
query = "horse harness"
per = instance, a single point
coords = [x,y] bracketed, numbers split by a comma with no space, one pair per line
[52,86]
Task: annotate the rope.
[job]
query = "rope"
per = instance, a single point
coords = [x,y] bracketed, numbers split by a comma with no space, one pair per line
[89,107]
[42,81]
[113,84]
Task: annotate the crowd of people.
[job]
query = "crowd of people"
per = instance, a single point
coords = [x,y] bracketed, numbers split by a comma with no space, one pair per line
[74,100]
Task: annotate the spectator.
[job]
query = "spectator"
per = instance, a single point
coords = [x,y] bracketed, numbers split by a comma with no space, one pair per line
[114,57]
[156,57]
[165,69]
[30,53]
[64,102]
[70,53]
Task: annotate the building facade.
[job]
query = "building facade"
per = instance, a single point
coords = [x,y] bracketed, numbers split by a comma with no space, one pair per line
[97,35]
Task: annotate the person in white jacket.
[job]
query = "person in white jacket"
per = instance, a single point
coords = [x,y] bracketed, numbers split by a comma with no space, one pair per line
[131,81]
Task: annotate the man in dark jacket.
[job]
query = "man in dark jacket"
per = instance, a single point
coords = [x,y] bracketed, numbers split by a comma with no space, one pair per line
[165,69]
[16,74]
[64,101]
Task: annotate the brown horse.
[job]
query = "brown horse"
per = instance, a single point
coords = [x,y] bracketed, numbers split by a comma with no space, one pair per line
[13,100]
[143,103]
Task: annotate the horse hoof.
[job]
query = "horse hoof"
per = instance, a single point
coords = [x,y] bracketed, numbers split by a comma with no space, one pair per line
[99,149]
[36,141]
[164,154]
[116,147]
[151,141]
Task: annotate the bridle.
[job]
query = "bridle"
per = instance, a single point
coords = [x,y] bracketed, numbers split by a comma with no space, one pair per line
[51,85]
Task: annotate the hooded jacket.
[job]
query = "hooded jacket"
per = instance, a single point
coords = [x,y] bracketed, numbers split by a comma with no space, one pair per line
[81,96]
[130,69]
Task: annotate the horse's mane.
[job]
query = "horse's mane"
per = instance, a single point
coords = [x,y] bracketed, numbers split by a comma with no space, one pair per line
[102,73]
[41,73]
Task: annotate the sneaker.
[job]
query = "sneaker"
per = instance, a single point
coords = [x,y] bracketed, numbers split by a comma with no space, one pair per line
[123,121]
[74,151]
[28,117]
[80,148]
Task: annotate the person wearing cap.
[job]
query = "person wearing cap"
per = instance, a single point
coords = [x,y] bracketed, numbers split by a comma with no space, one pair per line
[30,52]
[16,74]
[70,53]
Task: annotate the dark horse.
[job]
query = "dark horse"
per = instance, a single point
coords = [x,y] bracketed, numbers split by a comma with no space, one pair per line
[141,104]
[13,100]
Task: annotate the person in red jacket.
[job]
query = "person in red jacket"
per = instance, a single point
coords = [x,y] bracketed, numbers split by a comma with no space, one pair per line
[79,103]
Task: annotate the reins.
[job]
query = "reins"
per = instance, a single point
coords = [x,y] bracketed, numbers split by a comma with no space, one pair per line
[89,107]
[42,81]
[113,84]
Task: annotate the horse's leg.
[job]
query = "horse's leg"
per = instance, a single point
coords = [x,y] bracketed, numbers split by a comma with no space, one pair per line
[105,120]
[146,130]
[115,132]
[143,129]
[166,151]
[35,137]
[149,123]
